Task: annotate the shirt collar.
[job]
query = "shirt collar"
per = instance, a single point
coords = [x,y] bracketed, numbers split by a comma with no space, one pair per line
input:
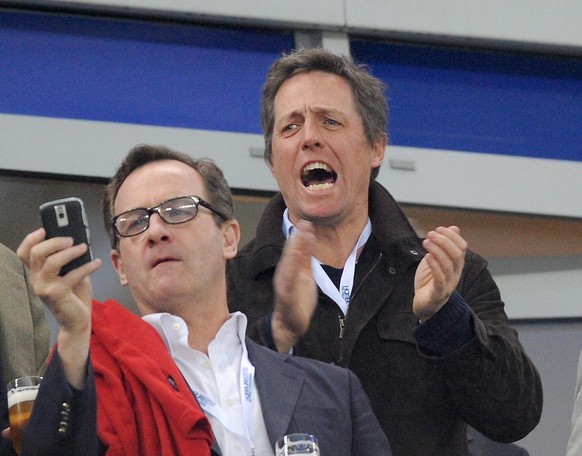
[174,331]
[287,225]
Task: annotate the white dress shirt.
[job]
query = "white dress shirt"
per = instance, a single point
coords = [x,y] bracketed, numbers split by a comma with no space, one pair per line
[223,382]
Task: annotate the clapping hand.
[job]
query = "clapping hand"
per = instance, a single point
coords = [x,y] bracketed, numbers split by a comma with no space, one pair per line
[439,272]
[295,288]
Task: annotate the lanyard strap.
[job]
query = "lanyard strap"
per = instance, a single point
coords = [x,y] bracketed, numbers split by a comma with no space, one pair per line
[342,295]
[210,406]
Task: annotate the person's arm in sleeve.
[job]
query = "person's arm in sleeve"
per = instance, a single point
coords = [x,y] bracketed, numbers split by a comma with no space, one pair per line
[64,419]
[69,376]
[492,381]
[67,297]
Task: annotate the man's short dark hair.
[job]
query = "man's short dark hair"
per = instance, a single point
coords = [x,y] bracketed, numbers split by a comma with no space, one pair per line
[218,191]
[368,91]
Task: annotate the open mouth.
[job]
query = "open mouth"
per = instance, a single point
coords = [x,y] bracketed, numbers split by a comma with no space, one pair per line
[318,176]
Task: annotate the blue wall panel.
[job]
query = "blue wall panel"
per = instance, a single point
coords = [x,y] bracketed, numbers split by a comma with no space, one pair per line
[135,72]
[182,75]
[477,101]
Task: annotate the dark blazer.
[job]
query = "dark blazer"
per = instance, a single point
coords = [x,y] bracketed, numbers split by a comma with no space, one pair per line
[303,395]
[297,395]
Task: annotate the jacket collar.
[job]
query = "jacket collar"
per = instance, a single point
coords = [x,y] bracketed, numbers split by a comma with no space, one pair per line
[390,227]
[279,385]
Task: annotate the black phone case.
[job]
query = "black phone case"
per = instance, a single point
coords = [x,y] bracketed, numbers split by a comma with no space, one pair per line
[67,217]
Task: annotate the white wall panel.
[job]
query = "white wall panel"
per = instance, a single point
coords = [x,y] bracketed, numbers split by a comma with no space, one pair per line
[95,149]
[552,294]
[483,181]
[515,23]
[327,13]
[534,22]
[440,178]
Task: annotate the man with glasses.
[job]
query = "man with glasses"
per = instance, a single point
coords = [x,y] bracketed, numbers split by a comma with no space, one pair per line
[118,384]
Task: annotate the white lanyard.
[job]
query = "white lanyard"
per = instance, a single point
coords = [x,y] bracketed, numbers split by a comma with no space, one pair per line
[228,347]
[342,295]
[210,406]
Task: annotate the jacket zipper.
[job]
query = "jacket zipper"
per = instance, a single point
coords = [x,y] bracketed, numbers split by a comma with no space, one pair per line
[341,318]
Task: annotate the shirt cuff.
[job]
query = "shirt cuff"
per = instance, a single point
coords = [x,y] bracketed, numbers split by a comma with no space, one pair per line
[447,330]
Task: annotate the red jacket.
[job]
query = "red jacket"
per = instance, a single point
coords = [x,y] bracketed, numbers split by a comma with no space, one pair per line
[144,405]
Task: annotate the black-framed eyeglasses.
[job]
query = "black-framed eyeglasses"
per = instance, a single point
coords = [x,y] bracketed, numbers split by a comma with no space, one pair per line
[173,211]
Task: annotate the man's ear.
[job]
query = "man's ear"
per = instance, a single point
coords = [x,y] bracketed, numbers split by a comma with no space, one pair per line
[231,238]
[118,265]
[272,169]
[378,151]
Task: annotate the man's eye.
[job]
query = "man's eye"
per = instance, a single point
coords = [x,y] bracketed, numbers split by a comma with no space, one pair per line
[290,127]
[133,223]
[331,122]
[180,211]
[139,223]
[177,211]
[174,211]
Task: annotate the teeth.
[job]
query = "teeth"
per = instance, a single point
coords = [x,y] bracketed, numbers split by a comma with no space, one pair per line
[316,165]
[317,187]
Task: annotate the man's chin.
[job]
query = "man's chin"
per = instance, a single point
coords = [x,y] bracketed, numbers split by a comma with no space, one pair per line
[321,215]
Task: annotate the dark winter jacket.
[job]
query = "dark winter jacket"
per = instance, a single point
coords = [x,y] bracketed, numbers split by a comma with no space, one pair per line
[422,402]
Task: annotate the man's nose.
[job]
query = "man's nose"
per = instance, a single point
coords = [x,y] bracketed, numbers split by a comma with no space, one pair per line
[312,135]
[158,229]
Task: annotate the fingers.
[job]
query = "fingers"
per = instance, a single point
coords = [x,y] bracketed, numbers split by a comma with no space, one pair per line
[446,244]
[32,239]
[52,254]
[296,258]
[446,254]
[295,289]
[301,244]
[45,259]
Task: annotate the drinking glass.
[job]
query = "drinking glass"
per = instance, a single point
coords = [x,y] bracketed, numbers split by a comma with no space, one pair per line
[21,396]
[297,444]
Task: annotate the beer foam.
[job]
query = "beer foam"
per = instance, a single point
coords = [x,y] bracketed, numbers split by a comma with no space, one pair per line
[21,394]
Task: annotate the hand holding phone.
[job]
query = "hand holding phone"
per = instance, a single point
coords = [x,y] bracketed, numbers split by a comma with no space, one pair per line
[67,217]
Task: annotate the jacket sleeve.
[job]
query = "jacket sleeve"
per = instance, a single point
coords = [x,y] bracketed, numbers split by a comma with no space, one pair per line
[64,420]
[368,436]
[494,384]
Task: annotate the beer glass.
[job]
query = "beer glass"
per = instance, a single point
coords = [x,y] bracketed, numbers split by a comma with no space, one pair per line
[297,444]
[21,395]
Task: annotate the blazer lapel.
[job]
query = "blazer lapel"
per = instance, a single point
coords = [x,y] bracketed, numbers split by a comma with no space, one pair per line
[279,385]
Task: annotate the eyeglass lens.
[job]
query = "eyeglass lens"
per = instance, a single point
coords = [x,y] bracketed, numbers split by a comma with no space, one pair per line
[174,211]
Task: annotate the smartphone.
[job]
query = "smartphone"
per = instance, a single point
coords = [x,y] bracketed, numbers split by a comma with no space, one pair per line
[67,217]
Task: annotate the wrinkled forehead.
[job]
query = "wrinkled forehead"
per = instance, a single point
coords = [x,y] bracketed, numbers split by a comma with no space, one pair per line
[324,91]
